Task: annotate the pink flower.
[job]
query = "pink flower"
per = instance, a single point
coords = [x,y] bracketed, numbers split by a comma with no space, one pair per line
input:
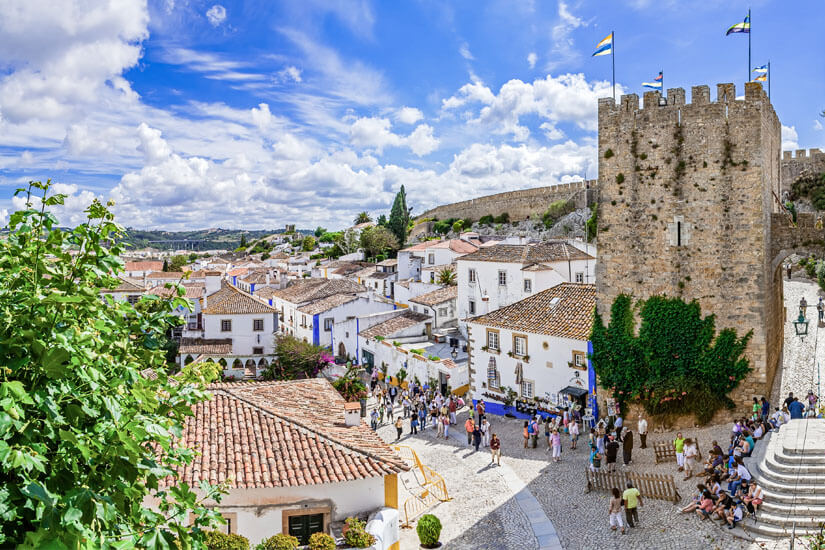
[731,377]
[684,393]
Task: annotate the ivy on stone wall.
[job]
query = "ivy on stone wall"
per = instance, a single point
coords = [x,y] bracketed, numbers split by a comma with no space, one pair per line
[675,365]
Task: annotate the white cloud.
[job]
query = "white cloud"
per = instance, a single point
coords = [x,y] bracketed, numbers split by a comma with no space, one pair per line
[790,138]
[70,213]
[212,65]
[465,52]
[290,73]
[565,98]
[563,50]
[216,15]
[375,134]
[408,115]
[817,124]
[531,59]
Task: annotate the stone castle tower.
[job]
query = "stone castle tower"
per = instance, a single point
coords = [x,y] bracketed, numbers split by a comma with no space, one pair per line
[686,201]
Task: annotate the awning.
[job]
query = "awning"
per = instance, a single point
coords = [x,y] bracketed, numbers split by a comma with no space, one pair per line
[574,391]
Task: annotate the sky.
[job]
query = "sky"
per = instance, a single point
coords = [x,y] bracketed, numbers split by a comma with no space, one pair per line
[193,114]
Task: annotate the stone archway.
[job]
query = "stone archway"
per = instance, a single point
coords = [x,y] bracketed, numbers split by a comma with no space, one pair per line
[250,370]
[342,350]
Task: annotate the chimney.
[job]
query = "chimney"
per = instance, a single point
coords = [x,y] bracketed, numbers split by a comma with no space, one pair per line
[267,277]
[213,282]
[352,414]
[144,279]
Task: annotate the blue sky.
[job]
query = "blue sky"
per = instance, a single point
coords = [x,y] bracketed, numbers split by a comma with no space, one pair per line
[194,114]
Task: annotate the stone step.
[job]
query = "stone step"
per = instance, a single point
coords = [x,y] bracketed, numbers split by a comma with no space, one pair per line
[780,455]
[791,478]
[798,509]
[781,520]
[762,529]
[770,463]
[785,496]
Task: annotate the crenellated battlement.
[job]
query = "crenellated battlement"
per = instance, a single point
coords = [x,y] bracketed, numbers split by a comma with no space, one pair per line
[802,154]
[699,95]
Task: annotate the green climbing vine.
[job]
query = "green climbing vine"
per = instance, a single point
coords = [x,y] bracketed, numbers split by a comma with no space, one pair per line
[676,365]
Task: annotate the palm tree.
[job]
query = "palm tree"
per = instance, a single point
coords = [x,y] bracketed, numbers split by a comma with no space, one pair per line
[363,217]
[446,276]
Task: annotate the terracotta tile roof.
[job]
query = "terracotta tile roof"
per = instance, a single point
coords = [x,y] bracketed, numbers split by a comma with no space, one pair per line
[171,275]
[566,310]
[405,283]
[396,324]
[125,285]
[148,265]
[438,296]
[380,275]
[528,253]
[265,292]
[308,290]
[205,345]
[326,304]
[230,300]
[391,262]
[193,291]
[347,268]
[237,271]
[199,274]
[258,277]
[280,434]
[456,245]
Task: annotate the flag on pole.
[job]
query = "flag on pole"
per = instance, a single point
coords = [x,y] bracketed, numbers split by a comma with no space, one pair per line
[762,69]
[761,78]
[605,47]
[656,84]
[744,26]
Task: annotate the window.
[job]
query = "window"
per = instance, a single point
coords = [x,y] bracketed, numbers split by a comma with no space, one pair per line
[226,325]
[431,258]
[528,285]
[257,325]
[415,308]
[471,275]
[579,360]
[493,380]
[442,312]
[492,340]
[527,389]
[303,526]
[472,307]
[328,324]
[133,298]
[432,276]
[520,346]
[579,277]
[502,278]
[303,321]
[257,351]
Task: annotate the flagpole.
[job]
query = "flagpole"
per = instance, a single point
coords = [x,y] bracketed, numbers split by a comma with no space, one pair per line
[613,60]
[663,82]
[750,29]
[769,80]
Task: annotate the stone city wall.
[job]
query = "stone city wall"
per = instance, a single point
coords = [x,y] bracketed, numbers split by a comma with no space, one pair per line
[520,205]
[804,165]
[686,197]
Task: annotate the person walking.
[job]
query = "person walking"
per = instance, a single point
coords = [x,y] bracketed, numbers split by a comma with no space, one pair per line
[611,452]
[485,431]
[422,417]
[381,414]
[453,408]
[796,408]
[399,423]
[627,447]
[574,434]
[526,433]
[446,421]
[614,510]
[555,439]
[643,430]
[632,499]
[374,419]
[691,454]
[439,425]
[619,424]
[476,436]
[495,450]
[414,424]
[679,446]
[469,426]
[765,409]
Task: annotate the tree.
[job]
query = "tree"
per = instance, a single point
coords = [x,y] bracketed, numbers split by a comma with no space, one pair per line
[165,265]
[447,276]
[362,217]
[458,226]
[377,240]
[382,220]
[296,359]
[243,240]
[348,241]
[320,231]
[177,263]
[399,217]
[308,244]
[677,364]
[85,438]
[327,237]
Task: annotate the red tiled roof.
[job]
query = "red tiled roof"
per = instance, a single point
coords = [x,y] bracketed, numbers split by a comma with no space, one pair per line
[528,253]
[233,301]
[438,296]
[281,434]
[237,271]
[166,275]
[308,290]
[193,291]
[205,345]
[395,324]
[126,285]
[565,310]
[456,245]
[148,265]
[326,304]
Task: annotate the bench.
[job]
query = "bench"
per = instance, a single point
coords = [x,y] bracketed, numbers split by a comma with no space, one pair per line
[665,452]
[658,486]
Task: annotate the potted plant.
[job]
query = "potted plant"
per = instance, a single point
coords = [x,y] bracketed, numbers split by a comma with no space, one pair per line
[508,399]
[429,531]
[278,542]
[355,533]
[321,541]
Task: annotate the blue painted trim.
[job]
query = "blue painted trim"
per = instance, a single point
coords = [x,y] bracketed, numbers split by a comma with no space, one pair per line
[498,409]
[234,280]
[252,288]
[592,391]
[316,334]
[357,330]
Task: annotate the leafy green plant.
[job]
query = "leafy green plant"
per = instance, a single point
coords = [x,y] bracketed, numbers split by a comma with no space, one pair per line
[321,541]
[608,153]
[556,211]
[486,220]
[296,359]
[510,396]
[350,387]
[592,221]
[504,217]
[216,540]
[676,365]
[356,535]
[85,437]
[428,530]
[447,276]
[278,542]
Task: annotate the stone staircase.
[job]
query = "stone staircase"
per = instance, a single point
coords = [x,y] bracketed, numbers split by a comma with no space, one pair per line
[790,468]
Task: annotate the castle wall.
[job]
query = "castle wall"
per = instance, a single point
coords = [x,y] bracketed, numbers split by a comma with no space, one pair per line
[804,164]
[686,196]
[518,204]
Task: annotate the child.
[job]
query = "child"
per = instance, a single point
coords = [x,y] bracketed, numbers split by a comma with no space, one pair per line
[574,434]
[555,439]
[595,460]
[734,515]
[614,510]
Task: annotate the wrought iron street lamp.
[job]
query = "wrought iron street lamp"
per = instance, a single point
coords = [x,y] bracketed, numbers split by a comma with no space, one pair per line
[454,353]
[801,326]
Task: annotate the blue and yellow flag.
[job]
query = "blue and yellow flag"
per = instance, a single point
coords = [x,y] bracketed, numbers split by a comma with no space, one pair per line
[656,84]
[761,78]
[762,69]
[744,26]
[605,47]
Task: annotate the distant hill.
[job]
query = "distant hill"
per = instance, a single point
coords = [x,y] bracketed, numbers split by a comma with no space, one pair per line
[201,239]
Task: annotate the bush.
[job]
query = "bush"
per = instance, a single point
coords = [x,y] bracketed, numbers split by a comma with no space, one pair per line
[556,211]
[278,542]
[467,223]
[321,541]
[504,217]
[357,536]
[221,541]
[429,530]
[486,220]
